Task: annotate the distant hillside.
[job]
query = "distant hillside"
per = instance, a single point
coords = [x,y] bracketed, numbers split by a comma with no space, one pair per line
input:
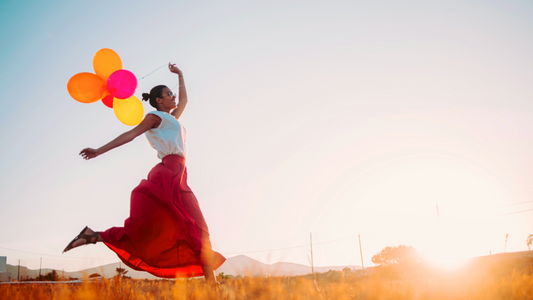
[237,265]
[105,270]
[25,272]
[244,265]
[508,255]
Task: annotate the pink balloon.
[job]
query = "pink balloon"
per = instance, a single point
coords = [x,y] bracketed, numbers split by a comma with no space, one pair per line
[122,84]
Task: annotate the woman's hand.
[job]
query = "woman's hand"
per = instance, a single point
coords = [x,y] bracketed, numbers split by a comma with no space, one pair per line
[174,69]
[149,122]
[182,94]
[89,153]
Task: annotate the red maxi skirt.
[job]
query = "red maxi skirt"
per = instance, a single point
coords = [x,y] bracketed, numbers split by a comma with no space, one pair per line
[166,234]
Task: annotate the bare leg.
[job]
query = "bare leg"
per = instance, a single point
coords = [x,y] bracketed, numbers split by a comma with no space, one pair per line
[209,275]
[100,238]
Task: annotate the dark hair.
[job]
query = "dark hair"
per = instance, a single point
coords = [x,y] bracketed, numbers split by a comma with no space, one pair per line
[155,92]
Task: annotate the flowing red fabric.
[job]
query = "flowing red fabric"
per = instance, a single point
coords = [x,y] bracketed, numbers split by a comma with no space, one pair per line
[166,234]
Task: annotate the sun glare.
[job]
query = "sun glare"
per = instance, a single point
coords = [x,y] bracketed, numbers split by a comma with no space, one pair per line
[455,241]
[448,263]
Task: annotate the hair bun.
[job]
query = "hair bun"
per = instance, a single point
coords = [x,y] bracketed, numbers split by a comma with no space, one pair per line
[146,96]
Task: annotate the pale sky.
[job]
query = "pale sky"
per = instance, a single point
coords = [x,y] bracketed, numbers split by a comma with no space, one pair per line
[332,117]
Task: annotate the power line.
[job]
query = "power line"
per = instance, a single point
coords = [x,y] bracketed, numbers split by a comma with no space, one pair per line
[519,193]
[294,247]
[517,197]
[50,255]
[258,251]
[267,250]
[512,204]
[512,213]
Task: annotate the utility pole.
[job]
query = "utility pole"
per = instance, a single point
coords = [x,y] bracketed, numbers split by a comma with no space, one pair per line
[312,266]
[361,250]
[18,272]
[40,267]
[505,249]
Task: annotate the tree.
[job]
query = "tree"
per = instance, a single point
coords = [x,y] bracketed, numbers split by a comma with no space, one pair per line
[121,272]
[50,276]
[529,241]
[397,262]
[221,276]
[398,255]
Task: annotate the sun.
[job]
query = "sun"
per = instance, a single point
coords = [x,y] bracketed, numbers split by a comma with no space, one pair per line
[452,243]
[448,263]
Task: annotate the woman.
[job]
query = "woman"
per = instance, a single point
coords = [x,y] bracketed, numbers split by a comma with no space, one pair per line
[166,234]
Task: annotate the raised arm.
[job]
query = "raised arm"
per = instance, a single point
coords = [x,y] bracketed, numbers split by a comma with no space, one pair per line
[150,121]
[182,94]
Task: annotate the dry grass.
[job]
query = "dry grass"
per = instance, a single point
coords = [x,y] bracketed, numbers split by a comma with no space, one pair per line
[333,285]
[487,278]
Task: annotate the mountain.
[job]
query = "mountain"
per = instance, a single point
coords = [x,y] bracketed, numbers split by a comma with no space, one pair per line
[237,265]
[243,265]
[25,272]
[105,270]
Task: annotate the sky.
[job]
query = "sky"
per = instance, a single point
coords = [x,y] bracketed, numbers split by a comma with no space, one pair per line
[404,123]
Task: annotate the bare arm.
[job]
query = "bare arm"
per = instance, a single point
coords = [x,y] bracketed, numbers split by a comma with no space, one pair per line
[151,121]
[182,94]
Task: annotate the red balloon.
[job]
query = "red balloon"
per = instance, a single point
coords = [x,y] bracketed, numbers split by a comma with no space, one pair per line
[122,84]
[108,101]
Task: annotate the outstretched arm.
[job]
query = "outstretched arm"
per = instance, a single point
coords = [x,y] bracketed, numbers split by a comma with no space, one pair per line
[151,121]
[182,94]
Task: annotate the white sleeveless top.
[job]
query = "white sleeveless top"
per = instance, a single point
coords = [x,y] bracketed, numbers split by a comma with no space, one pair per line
[169,137]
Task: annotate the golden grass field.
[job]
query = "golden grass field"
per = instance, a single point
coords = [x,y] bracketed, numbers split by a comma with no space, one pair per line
[328,286]
[485,278]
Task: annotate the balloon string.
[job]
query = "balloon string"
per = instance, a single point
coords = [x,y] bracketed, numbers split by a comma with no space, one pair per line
[151,72]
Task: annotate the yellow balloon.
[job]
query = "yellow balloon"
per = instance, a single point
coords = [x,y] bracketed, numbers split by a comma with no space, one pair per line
[105,62]
[129,111]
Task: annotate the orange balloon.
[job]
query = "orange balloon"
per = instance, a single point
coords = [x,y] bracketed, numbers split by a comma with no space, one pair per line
[86,87]
[105,62]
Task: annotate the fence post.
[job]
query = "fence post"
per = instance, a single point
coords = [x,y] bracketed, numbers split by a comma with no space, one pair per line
[361,250]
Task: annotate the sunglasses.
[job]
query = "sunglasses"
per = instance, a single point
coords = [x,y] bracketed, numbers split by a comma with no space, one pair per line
[171,94]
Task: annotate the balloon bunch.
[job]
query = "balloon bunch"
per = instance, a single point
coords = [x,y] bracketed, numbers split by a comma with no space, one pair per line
[111,84]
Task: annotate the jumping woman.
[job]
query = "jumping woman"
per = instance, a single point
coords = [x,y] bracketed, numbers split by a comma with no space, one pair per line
[166,233]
